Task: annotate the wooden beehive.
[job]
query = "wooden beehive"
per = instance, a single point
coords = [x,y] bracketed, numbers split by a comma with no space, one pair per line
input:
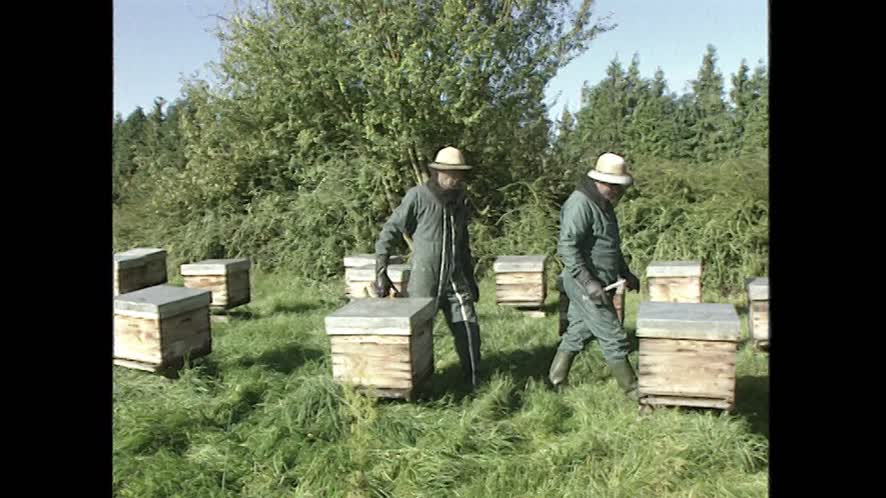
[674,281]
[520,282]
[227,279]
[758,307]
[139,268]
[155,328]
[383,346]
[360,273]
[688,354]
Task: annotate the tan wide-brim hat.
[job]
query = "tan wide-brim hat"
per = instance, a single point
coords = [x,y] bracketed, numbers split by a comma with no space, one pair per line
[611,168]
[450,158]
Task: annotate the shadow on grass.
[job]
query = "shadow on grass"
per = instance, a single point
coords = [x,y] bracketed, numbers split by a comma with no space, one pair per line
[284,360]
[552,308]
[243,314]
[299,307]
[520,365]
[752,402]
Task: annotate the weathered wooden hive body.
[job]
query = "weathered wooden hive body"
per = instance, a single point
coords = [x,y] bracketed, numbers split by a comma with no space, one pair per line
[156,327]
[227,279]
[520,281]
[758,306]
[383,346]
[674,281]
[139,268]
[688,353]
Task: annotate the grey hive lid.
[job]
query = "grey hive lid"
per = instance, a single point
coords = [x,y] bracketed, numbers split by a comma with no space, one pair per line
[381,316]
[215,267]
[137,257]
[758,289]
[698,321]
[674,269]
[364,259]
[163,300]
[510,264]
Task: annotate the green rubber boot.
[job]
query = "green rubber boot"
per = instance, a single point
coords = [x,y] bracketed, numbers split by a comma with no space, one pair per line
[627,380]
[560,368]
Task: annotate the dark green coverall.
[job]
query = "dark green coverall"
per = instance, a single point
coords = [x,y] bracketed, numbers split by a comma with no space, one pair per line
[590,246]
[441,265]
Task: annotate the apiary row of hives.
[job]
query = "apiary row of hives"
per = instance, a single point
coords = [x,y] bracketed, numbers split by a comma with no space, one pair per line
[158,326]
[687,347]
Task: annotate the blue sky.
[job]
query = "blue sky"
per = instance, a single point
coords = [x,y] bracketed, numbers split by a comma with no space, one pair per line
[156,43]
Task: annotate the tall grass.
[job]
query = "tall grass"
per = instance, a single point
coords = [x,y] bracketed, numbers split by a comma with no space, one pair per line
[261,417]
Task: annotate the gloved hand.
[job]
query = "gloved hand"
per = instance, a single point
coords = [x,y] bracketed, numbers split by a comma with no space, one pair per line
[632,282]
[592,288]
[382,285]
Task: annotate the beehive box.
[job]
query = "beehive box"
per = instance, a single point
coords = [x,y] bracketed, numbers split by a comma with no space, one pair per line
[674,281]
[383,346]
[360,273]
[688,354]
[156,327]
[520,282]
[758,306]
[139,268]
[227,279]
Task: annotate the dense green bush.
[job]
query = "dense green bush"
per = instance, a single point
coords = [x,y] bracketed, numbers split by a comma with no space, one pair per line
[323,116]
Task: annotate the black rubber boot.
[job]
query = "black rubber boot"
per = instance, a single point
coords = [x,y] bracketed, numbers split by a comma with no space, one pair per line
[627,380]
[560,368]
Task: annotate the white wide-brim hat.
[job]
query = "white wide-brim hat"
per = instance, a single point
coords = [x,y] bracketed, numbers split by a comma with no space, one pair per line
[450,158]
[611,168]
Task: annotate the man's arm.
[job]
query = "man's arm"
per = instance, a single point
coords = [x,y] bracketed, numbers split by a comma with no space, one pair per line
[401,221]
[576,225]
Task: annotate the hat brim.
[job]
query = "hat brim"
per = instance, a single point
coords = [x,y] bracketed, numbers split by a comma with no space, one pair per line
[614,179]
[456,167]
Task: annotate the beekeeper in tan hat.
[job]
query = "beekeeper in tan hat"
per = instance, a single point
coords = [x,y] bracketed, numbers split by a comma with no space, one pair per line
[435,214]
[590,248]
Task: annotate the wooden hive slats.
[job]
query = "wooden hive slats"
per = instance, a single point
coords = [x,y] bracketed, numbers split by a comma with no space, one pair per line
[129,279]
[161,341]
[520,278]
[228,290]
[686,401]
[686,368]
[520,293]
[137,339]
[759,322]
[675,289]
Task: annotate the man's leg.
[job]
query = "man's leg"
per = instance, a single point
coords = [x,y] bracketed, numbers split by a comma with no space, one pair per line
[574,339]
[602,322]
[461,317]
